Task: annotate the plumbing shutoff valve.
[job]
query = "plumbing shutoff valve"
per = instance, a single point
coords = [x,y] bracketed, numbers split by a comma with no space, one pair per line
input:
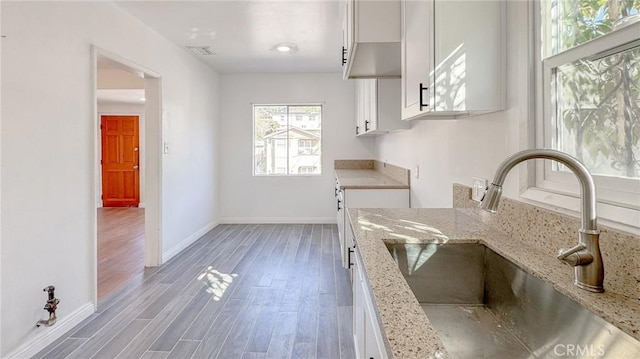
[51,306]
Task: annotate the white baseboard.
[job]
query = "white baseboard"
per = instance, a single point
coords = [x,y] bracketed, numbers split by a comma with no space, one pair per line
[285,220]
[172,252]
[47,335]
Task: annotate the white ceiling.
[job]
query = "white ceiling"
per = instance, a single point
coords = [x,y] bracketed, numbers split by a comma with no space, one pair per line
[243,33]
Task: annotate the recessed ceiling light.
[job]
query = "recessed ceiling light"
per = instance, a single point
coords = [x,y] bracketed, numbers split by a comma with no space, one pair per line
[286,47]
[142,99]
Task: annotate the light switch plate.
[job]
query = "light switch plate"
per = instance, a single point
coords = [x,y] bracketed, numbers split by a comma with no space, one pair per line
[478,188]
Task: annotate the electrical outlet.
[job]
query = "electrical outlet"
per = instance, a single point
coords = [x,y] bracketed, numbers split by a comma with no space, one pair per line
[417,172]
[479,187]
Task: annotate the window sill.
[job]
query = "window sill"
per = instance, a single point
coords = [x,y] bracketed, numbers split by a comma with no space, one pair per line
[615,217]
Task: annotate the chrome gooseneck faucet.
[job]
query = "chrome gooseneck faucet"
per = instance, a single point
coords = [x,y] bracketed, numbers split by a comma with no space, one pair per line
[585,257]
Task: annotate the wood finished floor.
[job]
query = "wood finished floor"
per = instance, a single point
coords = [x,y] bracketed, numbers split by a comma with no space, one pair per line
[241,291]
[120,247]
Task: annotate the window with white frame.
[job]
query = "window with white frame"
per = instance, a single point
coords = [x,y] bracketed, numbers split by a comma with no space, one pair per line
[284,144]
[590,88]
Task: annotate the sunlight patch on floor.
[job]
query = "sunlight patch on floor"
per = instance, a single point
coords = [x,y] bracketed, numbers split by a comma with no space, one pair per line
[216,282]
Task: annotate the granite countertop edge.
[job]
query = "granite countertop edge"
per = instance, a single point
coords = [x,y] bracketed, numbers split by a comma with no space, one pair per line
[366,179]
[407,331]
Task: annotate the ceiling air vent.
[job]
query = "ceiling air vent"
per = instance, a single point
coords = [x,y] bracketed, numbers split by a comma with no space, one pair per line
[201,50]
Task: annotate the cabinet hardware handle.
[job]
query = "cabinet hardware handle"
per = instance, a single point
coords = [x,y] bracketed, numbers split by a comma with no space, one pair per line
[339,208]
[422,105]
[357,130]
[366,125]
[349,258]
[344,56]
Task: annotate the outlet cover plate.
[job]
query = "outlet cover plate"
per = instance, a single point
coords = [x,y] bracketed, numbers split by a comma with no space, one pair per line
[478,188]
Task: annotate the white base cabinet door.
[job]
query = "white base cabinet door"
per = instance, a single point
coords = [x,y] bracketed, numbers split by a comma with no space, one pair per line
[365,198]
[367,335]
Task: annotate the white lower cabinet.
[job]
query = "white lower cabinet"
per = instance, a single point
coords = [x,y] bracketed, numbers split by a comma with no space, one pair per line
[340,216]
[364,198]
[367,336]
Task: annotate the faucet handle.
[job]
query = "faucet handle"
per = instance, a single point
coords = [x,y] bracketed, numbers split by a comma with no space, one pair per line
[565,252]
[576,255]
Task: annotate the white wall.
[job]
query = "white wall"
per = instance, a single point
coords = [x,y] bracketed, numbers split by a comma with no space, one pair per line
[118,79]
[1,347]
[285,199]
[452,151]
[123,109]
[47,178]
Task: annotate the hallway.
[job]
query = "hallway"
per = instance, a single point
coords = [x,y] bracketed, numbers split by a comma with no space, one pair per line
[120,247]
[241,291]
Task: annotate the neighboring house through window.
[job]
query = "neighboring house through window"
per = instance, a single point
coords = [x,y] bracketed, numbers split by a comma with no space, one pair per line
[286,141]
[306,170]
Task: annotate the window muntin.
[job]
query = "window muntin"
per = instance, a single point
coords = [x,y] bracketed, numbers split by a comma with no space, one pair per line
[286,141]
[591,95]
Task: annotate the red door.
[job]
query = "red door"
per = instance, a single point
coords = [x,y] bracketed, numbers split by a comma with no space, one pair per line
[120,161]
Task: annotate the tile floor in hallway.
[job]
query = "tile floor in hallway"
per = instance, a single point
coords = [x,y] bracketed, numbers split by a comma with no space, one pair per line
[241,291]
[120,247]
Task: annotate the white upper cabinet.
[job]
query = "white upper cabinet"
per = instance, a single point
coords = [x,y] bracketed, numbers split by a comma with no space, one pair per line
[453,58]
[371,39]
[378,107]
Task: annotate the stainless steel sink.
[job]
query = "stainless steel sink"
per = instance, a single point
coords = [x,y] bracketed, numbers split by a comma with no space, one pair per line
[484,306]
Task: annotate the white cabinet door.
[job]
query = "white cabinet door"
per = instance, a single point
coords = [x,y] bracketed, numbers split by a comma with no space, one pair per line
[364,198]
[347,255]
[374,348]
[366,330]
[371,88]
[347,35]
[452,58]
[373,36]
[378,107]
[364,106]
[359,109]
[416,57]
[340,217]
[469,58]
[358,310]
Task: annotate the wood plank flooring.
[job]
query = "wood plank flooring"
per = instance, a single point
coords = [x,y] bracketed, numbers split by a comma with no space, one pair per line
[120,247]
[241,291]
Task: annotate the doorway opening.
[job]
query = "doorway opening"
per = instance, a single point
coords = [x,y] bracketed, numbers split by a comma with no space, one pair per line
[127,171]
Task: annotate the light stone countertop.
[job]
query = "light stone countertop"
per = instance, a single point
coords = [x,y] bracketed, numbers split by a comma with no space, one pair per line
[405,327]
[366,179]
